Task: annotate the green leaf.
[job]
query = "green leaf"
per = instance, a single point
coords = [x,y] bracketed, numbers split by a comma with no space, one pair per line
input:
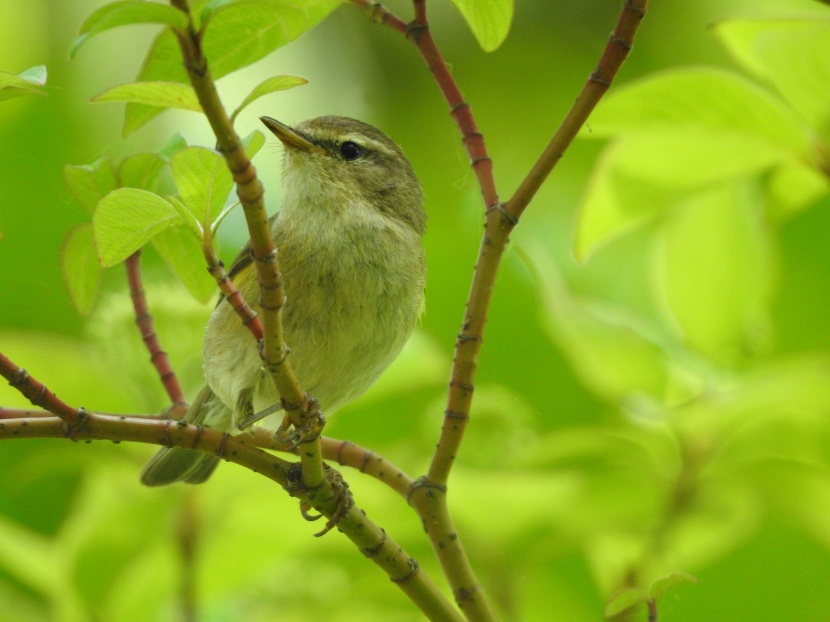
[252,143]
[615,352]
[125,13]
[126,219]
[176,143]
[237,34]
[699,98]
[90,182]
[661,586]
[641,175]
[488,19]
[187,216]
[271,85]
[162,63]
[714,271]
[242,32]
[623,599]
[182,253]
[160,94]
[795,187]
[80,267]
[793,54]
[24,83]
[203,180]
[141,170]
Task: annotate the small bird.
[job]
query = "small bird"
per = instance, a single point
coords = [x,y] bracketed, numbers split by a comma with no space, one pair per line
[349,235]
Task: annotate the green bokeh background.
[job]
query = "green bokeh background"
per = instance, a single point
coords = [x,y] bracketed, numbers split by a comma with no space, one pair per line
[555,486]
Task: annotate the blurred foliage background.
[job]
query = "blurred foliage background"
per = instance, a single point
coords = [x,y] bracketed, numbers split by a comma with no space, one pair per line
[615,438]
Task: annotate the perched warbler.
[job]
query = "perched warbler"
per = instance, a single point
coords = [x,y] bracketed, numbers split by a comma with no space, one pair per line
[349,237]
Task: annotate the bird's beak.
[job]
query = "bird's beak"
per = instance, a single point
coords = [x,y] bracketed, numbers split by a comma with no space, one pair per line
[289,137]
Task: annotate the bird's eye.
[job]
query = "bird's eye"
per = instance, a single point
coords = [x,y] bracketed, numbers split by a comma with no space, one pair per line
[350,151]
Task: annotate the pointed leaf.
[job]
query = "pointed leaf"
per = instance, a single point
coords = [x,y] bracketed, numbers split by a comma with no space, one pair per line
[242,32]
[238,34]
[29,81]
[623,599]
[34,75]
[642,174]
[80,267]
[141,170]
[714,271]
[252,143]
[698,98]
[791,53]
[90,182]
[203,180]
[126,219]
[128,12]
[488,19]
[615,352]
[162,63]
[182,253]
[669,582]
[176,143]
[271,85]
[161,94]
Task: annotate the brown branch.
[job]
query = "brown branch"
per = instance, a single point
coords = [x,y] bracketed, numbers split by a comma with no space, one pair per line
[144,321]
[429,494]
[418,32]
[302,410]
[37,393]
[372,541]
[345,453]
[500,221]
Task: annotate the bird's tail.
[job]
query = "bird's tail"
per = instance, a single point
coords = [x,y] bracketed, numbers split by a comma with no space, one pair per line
[177,464]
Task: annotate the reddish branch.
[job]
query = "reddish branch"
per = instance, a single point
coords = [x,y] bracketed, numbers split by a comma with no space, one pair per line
[37,393]
[418,32]
[234,298]
[429,494]
[144,321]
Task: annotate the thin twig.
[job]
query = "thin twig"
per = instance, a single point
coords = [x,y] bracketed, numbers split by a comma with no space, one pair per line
[232,296]
[37,393]
[144,321]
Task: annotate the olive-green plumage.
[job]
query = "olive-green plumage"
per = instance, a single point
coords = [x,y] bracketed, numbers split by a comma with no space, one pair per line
[349,238]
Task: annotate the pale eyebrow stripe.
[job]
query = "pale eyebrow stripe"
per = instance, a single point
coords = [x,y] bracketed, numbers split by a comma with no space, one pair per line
[367,142]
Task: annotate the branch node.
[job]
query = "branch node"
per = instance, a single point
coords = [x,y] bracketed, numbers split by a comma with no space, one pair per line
[465,594]
[21,379]
[456,107]
[375,550]
[197,437]
[413,570]
[220,451]
[340,449]
[268,258]
[464,386]
[415,29]
[70,430]
[452,414]
[468,337]
[620,41]
[423,482]
[508,219]
[595,77]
